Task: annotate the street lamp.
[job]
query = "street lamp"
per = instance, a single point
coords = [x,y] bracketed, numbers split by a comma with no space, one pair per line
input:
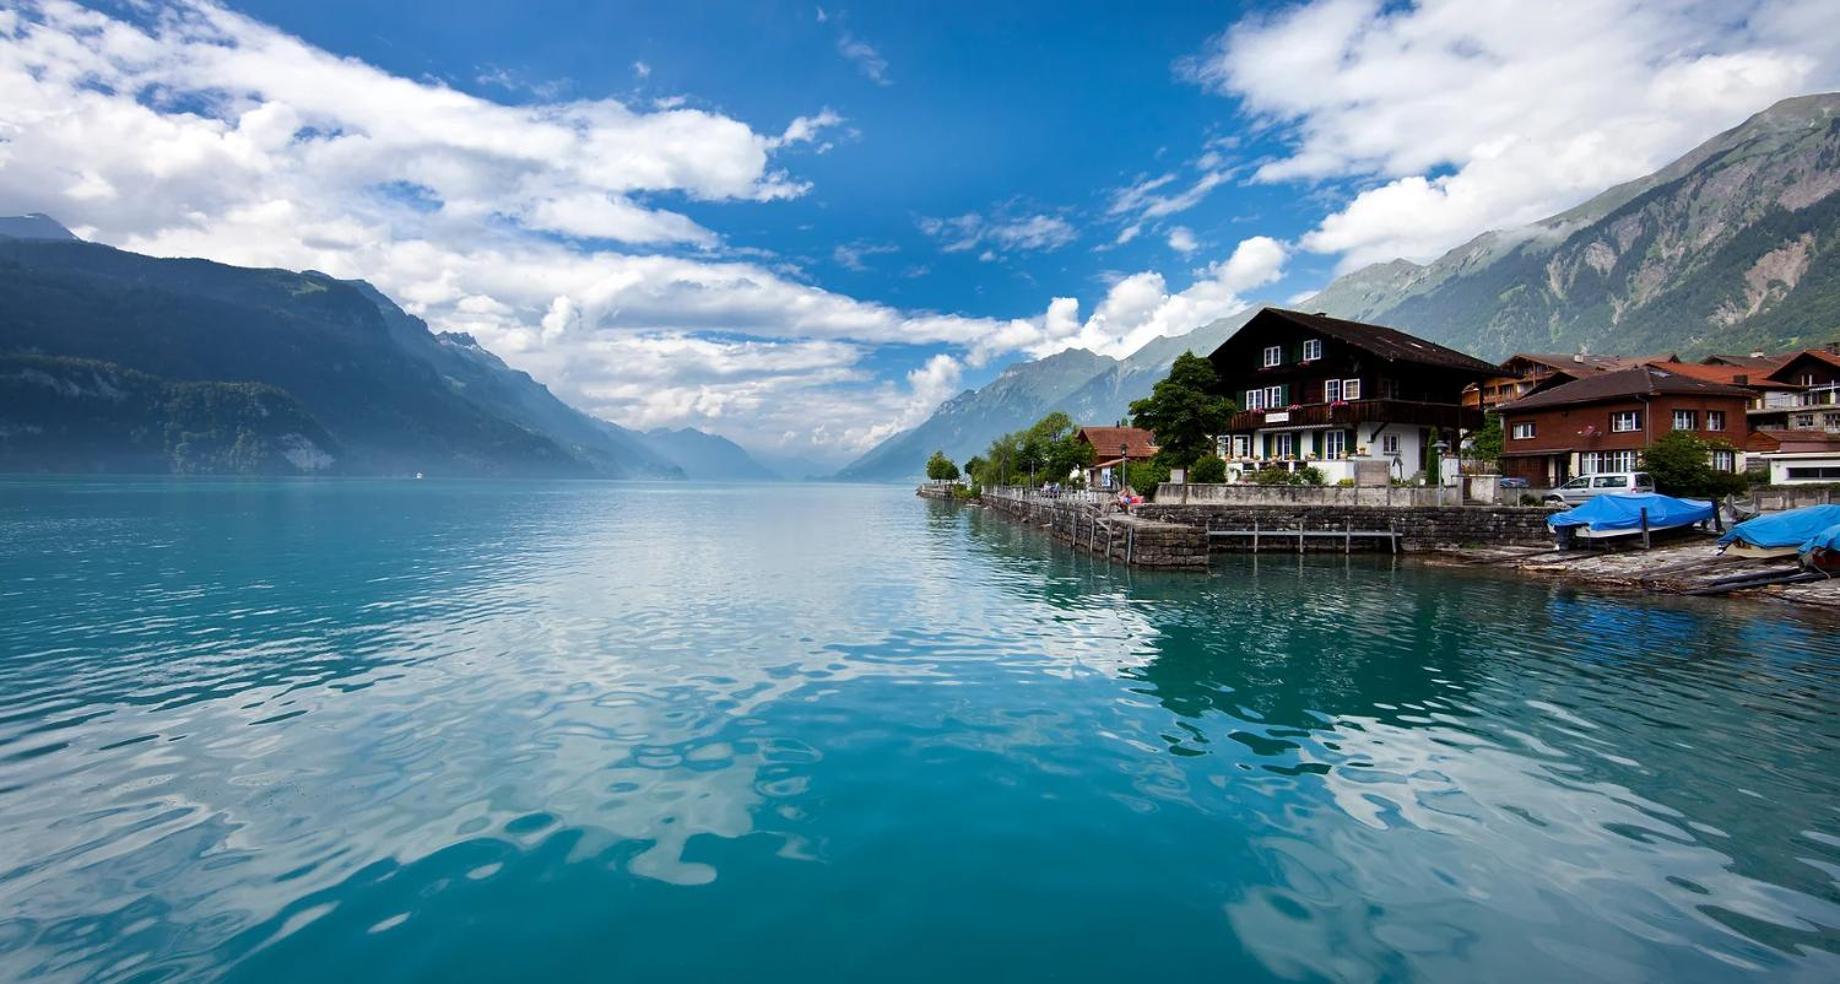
[1124,461]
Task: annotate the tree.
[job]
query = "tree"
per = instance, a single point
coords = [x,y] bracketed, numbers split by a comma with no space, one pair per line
[940,468]
[1485,444]
[974,469]
[1208,469]
[1183,410]
[1680,462]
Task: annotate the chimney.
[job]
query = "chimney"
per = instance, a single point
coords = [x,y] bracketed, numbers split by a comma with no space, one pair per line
[1578,357]
[1756,355]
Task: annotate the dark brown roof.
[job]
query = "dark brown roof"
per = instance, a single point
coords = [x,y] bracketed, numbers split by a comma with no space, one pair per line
[1107,440]
[1387,343]
[1640,381]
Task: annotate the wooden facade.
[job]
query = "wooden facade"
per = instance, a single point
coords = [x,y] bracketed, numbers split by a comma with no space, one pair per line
[1604,423]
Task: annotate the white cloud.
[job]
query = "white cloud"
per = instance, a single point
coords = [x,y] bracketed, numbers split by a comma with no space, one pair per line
[867,60]
[1140,307]
[1005,231]
[1182,240]
[1481,114]
[850,256]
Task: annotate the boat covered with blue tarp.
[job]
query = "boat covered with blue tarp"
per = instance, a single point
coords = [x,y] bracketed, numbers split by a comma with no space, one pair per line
[1793,529]
[1616,515]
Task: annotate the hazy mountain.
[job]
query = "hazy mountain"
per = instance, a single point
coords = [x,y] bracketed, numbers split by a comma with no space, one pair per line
[392,396]
[706,457]
[1735,246]
[966,424]
[797,467]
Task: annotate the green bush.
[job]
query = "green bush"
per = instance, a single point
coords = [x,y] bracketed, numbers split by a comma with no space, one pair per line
[1208,470]
[1309,475]
[1344,483]
[1145,476]
[1681,464]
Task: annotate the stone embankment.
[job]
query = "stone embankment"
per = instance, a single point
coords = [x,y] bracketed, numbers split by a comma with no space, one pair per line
[1419,528]
[1137,541]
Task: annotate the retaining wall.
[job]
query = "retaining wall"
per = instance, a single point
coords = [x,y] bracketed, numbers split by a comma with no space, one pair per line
[1420,527]
[1139,541]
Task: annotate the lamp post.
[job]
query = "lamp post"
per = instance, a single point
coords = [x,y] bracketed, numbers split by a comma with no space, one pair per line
[1124,463]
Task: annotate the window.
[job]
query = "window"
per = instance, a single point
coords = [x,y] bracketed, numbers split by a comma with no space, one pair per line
[1609,481]
[1312,349]
[1609,461]
[1389,444]
[1626,421]
[1831,421]
[1523,431]
[1242,446]
[1255,399]
[1351,389]
[1725,461]
[1828,472]
[1686,420]
[1274,397]
[1282,446]
[1715,420]
[1334,443]
[1332,390]
[1274,355]
[1804,421]
[1389,389]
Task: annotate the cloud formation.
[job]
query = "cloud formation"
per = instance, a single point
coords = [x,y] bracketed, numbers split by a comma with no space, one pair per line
[1479,114]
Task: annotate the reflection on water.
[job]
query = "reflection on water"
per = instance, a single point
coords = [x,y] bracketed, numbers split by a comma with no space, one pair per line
[492,730]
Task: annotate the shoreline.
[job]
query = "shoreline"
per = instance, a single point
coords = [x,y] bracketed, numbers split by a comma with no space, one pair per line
[1678,569]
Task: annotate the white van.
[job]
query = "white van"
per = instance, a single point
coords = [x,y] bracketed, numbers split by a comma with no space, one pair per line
[1587,487]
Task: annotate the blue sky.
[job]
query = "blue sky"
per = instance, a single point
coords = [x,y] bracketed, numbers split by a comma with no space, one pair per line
[803,226]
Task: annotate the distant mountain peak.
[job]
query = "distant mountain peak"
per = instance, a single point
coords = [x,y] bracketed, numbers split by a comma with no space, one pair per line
[34,225]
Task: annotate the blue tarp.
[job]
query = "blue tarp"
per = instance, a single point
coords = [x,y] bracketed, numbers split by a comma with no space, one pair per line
[1828,539]
[1624,512]
[1784,529]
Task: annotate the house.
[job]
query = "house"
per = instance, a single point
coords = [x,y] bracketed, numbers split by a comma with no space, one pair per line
[1524,372]
[1795,457]
[1324,392]
[1756,362]
[1804,394]
[1112,448]
[1604,422]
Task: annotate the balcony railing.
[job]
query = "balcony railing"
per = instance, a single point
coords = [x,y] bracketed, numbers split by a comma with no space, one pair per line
[1412,412]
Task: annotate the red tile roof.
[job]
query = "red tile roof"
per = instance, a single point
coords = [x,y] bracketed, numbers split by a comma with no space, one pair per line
[1724,374]
[1107,440]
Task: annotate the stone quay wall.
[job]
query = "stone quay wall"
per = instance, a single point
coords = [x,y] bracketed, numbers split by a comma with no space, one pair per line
[1420,528]
[1138,541]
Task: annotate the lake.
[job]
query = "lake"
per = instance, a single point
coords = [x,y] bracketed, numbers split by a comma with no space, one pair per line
[454,731]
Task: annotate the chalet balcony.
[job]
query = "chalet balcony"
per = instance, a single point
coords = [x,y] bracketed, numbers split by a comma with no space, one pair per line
[1449,416]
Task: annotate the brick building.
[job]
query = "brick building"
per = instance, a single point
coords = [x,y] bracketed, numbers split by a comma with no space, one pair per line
[1602,423]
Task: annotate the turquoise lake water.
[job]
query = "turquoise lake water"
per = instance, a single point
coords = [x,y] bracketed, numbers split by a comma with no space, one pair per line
[485,731]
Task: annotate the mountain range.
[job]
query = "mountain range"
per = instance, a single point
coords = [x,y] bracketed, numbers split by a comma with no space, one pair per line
[1734,247]
[115,361]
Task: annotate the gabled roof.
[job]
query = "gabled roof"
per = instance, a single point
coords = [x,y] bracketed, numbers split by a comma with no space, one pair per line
[1575,365]
[1390,344]
[1727,375]
[1621,384]
[1775,441]
[1107,440]
[1763,364]
[1819,355]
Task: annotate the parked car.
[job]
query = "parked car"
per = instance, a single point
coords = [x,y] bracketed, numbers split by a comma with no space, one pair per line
[1587,487]
[1510,482]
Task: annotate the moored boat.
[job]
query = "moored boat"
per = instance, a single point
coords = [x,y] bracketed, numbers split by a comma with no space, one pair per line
[1812,532]
[1628,514]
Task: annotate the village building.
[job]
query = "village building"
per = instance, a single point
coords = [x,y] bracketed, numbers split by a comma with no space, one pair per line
[1328,393]
[1524,372]
[1113,448]
[1604,422]
[1803,393]
[1795,457]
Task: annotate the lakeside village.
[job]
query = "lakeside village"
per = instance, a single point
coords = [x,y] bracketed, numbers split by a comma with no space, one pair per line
[1304,432]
